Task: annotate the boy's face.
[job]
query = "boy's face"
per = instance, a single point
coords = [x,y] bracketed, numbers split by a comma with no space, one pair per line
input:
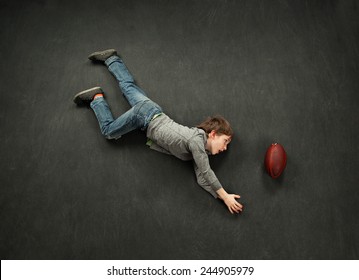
[217,143]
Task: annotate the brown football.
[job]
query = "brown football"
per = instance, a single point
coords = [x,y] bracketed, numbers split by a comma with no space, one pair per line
[275,160]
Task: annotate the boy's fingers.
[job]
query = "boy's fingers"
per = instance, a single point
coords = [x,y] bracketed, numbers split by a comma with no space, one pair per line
[239,207]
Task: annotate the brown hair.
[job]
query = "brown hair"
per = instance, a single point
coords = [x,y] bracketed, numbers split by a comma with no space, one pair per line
[217,123]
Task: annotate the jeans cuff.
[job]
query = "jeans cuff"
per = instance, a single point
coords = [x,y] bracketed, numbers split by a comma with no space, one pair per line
[96,101]
[112,59]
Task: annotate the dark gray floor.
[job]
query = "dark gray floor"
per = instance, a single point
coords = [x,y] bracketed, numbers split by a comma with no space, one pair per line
[279,71]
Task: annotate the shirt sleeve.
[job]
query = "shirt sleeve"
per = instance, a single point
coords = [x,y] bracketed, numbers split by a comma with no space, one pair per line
[206,178]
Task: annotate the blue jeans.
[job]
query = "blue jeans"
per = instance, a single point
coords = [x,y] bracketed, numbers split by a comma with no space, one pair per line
[138,117]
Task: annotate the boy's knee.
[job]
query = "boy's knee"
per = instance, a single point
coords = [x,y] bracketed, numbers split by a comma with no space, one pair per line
[110,137]
[106,134]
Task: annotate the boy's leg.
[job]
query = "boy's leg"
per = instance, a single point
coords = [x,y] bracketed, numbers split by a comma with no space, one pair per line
[142,111]
[131,91]
[114,128]
[110,128]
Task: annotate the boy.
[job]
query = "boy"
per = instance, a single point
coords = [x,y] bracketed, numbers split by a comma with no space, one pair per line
[212,136]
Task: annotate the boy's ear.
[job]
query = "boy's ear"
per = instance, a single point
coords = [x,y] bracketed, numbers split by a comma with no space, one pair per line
[212,133]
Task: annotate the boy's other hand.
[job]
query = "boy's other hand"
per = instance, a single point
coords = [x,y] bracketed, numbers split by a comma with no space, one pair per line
[230,200]
[233,205]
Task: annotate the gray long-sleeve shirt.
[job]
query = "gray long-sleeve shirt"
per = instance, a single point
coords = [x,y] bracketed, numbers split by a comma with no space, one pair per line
[184,143]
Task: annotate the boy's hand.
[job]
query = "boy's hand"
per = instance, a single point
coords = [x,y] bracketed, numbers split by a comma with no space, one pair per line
[230,200]
[233,205]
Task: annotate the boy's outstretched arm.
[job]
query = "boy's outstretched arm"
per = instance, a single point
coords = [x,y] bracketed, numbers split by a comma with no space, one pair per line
[230,200]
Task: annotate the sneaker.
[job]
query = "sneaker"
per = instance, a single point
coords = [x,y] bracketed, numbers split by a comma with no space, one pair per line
[102,55]
[85,97]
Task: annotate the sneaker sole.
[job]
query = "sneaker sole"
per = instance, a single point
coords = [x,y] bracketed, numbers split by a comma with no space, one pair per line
[93,55]
[77,98]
